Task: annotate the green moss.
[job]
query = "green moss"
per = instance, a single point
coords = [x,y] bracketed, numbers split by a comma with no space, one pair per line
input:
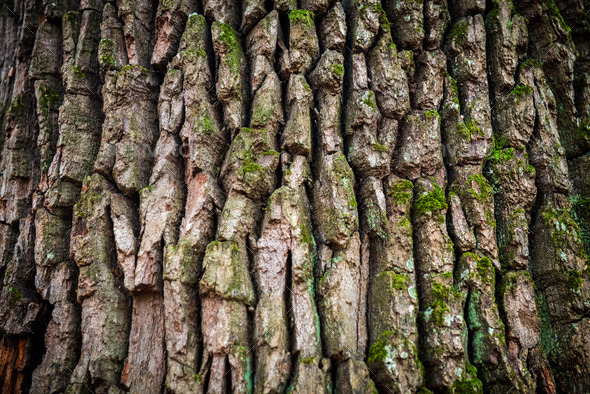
[384,22]
[130,67]
[251,167]
[401,191]
[308,360]
[337,69]
[502,155]
[379,147]
[484,267]
[423,390]
[520,90]
[432,202]
[495,11]
[206,124]
[562,226]
[530,62]
[584,128]
[105,43]
[554,11]
[78,71]
[431,113]
[441,295]
[453,82]
[15,293]
[392,46]
[458,34]
[301,17]
[468,383]
[17,108]
[379,350]
[197,377]
[305,236]
[70,16]
[467,129]
[369,99]
[574,279]
[49,99]
[231,40]
[485,190]
[398,281]
[108,60]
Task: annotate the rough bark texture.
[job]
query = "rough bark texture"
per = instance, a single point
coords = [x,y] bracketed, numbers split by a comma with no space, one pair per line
[294,196]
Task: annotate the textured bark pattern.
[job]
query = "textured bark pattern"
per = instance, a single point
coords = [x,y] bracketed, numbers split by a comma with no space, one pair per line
[294,196]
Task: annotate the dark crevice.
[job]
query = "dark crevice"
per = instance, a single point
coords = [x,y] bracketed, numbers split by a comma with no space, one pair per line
[290,319]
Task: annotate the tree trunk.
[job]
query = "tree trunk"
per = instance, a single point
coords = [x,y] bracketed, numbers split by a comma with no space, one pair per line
[314,196]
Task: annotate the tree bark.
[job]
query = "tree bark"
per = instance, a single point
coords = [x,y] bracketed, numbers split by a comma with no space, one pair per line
[310,196]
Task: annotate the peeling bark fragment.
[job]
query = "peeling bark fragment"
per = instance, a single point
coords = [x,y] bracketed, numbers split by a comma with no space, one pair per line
[336,218]
[267,109]
[224,11]
[477,201]
[420,151]
[76,149]
[105,306]
[559,267]
[262,43]
[547,155]
[388,79]
[428,80]
[304,49]
[506,35]
[23,307]
[392,296]
[550,43]
[515,115]
[46,57]
[329,73]
[226,291]
[296,136]
[365,16]
[49,98]
[129,131]
[170,19]
[523,326]
[407,17]
[318,7]
[476,279]
[252,12]
[340,275]
[250,164]
[436,20]
[231,84]
[441,321]
[18,174]
[144,366]
[461,230]
[333,29]
[513,181]
[137,17]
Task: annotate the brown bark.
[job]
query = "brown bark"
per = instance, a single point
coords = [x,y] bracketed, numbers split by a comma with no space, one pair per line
[309,196]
